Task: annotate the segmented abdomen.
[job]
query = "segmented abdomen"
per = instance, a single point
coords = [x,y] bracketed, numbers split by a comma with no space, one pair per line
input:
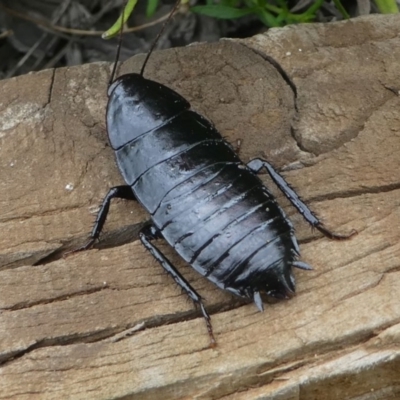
[209,206]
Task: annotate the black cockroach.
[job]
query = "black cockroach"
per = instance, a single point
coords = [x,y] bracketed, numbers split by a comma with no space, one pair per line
[203,200]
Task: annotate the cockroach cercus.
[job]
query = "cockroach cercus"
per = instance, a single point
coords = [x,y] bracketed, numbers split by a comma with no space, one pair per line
[202,199]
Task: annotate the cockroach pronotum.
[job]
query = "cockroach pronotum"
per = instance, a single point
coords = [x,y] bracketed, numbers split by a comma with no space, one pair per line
[202,199]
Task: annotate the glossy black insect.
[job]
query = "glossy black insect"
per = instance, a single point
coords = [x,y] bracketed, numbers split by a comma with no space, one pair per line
[203,200]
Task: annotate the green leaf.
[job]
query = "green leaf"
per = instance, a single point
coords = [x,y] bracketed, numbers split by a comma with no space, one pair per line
[267,18]
[151,7]
[115,29]
[222,12]
[387,6]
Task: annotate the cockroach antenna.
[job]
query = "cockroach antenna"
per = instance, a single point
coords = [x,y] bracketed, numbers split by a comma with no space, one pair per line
[159,35]
[119,45]
[152,46]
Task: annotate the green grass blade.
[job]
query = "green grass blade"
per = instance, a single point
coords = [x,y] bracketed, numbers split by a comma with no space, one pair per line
[341,9]
[114,30]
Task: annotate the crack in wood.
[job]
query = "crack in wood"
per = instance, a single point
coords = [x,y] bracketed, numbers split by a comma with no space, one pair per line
[25,305]
[107,334]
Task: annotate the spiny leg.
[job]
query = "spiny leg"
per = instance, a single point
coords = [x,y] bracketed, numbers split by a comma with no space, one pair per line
[120,192]
[147,234]
[256,165]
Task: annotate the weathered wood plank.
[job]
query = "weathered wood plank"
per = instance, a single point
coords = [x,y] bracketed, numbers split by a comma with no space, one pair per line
[109,323]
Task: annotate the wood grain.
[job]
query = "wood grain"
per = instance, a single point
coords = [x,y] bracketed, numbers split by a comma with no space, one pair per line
[109,324]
